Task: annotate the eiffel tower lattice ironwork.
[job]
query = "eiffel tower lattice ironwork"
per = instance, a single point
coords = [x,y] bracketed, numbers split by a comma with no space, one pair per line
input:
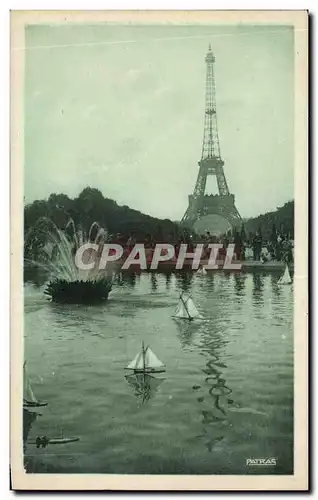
[223,203]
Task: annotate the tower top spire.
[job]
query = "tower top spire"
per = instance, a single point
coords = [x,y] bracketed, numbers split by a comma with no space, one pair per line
[202,206]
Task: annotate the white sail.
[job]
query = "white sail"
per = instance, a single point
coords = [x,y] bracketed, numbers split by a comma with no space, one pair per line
[146,360]
[181,311]
[286,278]
[151,360]
[186,309]
[192,310]
[28,394]
[137,363]
[201,271]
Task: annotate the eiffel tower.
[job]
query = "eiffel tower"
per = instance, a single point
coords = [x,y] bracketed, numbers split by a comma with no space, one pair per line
[215,213]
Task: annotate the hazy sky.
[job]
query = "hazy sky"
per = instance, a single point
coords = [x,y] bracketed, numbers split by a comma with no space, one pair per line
[121,108]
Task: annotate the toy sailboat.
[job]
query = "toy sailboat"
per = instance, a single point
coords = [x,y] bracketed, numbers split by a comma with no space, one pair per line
[146,362]
[201,271]
[43,441]
[29,399]
[186,309]
[286,278]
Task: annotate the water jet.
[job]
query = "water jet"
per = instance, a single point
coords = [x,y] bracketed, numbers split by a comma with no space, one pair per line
[55,254]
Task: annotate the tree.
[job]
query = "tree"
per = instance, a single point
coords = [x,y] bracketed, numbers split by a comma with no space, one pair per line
[282,217]
[91,206]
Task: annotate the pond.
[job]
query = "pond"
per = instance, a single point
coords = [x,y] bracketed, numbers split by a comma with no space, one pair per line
[226,395]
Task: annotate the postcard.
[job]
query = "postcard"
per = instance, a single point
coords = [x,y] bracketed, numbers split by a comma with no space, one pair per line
[159,246]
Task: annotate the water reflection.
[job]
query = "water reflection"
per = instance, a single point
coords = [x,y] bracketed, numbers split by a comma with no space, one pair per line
[257,291]
[276,289]
[207,282]
[145,386]
[184,280]
[168,280]
[257,282]
[72,318]
[239,284]
[154,282]
[214,419]
[186,332]
[280,300]
[126,279]
[227,274]
[28,418]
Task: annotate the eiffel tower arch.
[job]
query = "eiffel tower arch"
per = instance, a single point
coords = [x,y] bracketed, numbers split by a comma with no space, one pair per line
[215,213]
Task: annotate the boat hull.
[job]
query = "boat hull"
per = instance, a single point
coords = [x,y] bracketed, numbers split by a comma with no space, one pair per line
[63,440]
[147,371]
[30,404]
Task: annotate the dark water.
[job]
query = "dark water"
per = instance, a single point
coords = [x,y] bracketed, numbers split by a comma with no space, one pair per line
[226,396]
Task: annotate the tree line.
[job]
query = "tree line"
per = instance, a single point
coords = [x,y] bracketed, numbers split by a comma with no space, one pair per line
[91,206]
[280,221]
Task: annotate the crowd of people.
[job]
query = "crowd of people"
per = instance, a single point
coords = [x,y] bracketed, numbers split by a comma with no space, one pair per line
[279,247]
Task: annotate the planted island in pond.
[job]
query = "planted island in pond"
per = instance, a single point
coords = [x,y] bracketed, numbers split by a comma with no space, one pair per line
[79,292]
[54,250]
